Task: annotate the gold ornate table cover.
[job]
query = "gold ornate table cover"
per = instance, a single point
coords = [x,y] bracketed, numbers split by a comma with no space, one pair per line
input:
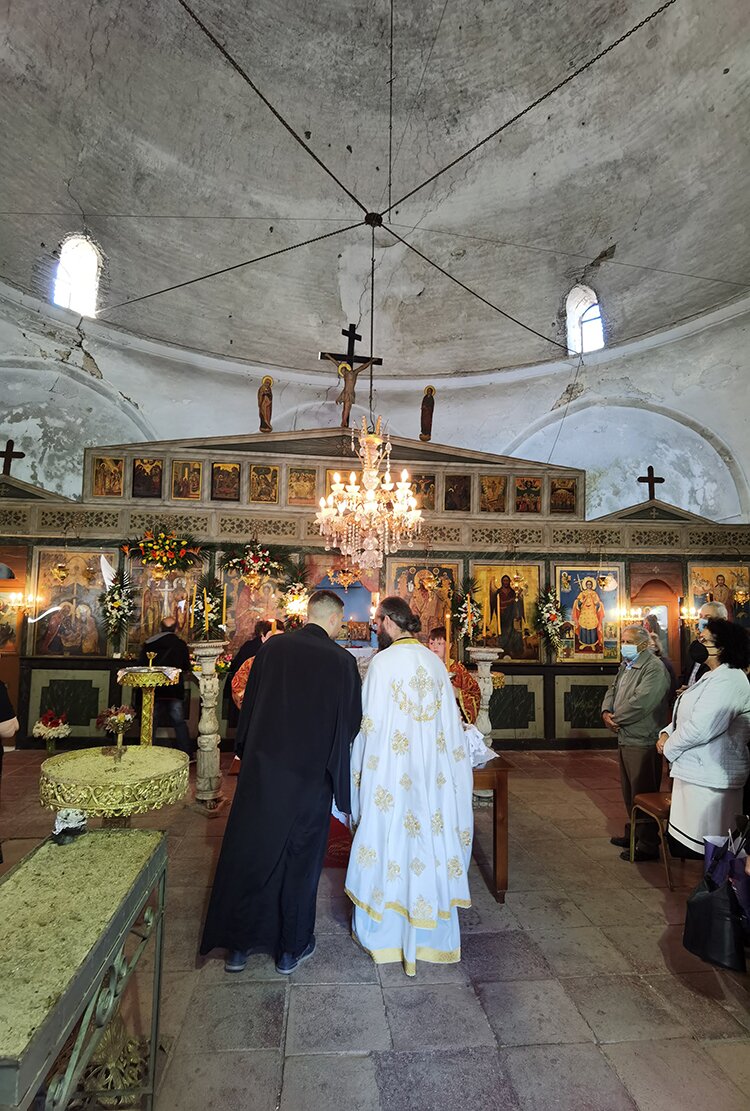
[147,679]
[146,778]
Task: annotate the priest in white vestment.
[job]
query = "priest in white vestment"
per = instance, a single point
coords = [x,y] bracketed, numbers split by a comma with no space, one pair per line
[411,803]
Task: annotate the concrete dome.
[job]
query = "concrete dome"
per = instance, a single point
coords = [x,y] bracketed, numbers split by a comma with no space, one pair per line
[124,119]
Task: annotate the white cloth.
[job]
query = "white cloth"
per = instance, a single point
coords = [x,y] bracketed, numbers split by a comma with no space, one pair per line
[479,752]
[710,729]
[698,812]
[411,810]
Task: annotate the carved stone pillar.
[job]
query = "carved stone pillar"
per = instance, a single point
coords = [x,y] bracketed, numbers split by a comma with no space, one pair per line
[484,659]
[208,770]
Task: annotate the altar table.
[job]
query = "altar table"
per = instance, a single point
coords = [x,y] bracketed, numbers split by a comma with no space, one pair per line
[494,777]
[68,911]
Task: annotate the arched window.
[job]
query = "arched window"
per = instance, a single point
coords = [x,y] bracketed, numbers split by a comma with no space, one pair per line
[584,318]
[77,279]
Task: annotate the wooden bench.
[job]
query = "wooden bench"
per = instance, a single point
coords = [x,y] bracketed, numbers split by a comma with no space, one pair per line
[494,777]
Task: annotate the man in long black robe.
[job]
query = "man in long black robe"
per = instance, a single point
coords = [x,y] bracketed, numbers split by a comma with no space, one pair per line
[301,712]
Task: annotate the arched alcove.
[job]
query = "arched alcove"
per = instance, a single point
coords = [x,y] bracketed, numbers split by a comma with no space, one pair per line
[615,442]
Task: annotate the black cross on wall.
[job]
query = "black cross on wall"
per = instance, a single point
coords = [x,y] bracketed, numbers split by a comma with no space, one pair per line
[9,455]
[652,481]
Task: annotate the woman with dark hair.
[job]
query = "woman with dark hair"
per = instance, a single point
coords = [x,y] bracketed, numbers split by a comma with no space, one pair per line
[706,741]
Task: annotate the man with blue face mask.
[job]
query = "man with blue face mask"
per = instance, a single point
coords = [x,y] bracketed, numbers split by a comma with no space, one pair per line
[635,708]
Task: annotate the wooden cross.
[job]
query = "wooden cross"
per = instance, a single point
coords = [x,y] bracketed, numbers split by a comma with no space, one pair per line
[9,455]
[652,481]
[349,357]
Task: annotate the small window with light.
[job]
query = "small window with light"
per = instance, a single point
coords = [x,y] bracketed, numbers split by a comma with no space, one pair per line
[77,278]
[584,320]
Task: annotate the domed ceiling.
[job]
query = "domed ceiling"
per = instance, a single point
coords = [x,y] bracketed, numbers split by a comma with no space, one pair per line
[123,117]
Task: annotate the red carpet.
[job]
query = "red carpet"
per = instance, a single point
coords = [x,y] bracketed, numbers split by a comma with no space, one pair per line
[339,844]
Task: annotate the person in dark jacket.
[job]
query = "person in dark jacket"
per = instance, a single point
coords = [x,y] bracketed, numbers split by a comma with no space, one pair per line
[301,712]
[169,701]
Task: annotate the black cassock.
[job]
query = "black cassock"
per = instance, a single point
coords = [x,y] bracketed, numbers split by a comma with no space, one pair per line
[301,711]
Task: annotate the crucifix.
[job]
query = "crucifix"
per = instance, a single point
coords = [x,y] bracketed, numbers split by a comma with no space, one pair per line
[349,370]
[9,455]
[652,481]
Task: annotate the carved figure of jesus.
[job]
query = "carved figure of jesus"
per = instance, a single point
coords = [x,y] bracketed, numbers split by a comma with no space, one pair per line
[349,374]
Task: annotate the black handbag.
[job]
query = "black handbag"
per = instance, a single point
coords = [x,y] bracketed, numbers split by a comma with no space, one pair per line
[713,920]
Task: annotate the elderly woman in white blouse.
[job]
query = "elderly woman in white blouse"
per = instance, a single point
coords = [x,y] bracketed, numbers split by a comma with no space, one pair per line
[706,742]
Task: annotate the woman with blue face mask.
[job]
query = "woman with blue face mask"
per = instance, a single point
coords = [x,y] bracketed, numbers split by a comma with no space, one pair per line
[706,741]
[697,650]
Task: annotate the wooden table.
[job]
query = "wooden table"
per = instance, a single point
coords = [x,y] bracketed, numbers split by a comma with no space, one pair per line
[494,777]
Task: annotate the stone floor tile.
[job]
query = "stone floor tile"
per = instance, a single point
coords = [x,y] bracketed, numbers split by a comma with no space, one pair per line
[242,1016]
[532,1012]
[324,1082]
[444,1081]
[444,1016]
[700,1001]
[486,915]
[331,883]
[336,960]
[668,905]
[654,948]
[176,991]
[15,849]
[734,1059]
[566,1078]
[334,915]
[580,951]
[202,1081]
[623,1009]
[336,1019]
[511,955]
[260,967]
[539,909]
[662,1075]
[614,907]
[393,975]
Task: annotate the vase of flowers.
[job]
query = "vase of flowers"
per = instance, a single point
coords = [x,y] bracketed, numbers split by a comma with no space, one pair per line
[51,727]
[117,606]
[551,619]
[293,602]
[253,562]
[163,552]
[117,720]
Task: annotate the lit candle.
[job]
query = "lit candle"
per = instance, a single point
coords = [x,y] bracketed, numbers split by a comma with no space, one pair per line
[448,637]
[192,606]
[205,608]
[224,607]
[469,623]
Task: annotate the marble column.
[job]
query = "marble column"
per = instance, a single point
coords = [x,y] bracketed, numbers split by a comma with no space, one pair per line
[208,769]
[484,659]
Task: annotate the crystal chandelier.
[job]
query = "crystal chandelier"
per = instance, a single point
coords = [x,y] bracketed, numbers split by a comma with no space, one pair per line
[344,576]
[372,517]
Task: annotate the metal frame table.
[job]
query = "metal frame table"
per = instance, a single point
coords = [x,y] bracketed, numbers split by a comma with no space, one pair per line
[89,1000]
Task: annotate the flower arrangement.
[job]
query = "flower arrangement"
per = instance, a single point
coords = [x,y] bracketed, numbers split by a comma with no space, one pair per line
[223,663]
[164,552]
[468,617]
[208,611]
[252,562]
[117,606]
[293,602]
[551,618]
[116,719]
[51,727]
